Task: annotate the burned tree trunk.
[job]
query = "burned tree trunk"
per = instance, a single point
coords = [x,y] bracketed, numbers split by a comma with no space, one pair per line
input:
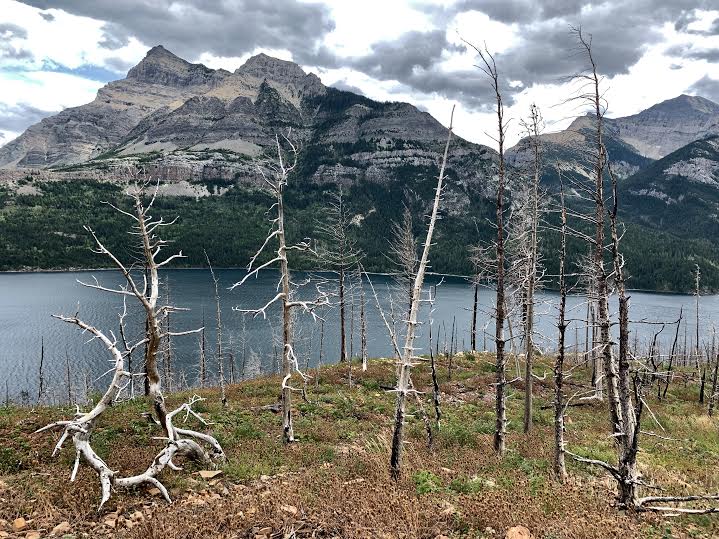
[489,67]
[220,357]
[277,181]
[560,468]
[534,129]
[408,356]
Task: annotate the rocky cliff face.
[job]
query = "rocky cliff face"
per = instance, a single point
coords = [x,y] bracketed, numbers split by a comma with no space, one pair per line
[184,121]
[633,142]
[669,125]
[161,80]
[680,192]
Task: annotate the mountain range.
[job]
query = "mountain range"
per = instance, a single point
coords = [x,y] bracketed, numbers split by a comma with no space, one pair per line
[200,132]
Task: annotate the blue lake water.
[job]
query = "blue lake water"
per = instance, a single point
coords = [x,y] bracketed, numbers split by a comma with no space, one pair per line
[27,301]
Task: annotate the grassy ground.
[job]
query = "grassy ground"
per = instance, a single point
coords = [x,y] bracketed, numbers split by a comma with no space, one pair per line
[334,482]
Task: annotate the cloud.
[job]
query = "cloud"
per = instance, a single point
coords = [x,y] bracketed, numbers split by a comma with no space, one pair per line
[18,117]
[706,87]
[10,31]
[10,35]
[694,53]
[346,87]
[546,50]
[191,27]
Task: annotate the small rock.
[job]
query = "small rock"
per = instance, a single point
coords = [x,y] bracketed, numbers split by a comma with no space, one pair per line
[137,516]
[265,531]
[110,522]
[154,491]
[61,529]
[4,534]
[264,478]
[449,509]
[291,509]
[19,524]
[518,532]
[32,535]
[209,474]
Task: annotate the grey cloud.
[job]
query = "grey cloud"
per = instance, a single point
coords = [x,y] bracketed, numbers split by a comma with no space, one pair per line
[12,53]
[412,61]
[706,87]
[191,27]
[113,37]
[546,52]
[49,17]
[688,51]
[9,51]
[18,117]
[344,86]
[118,65]
[10,31]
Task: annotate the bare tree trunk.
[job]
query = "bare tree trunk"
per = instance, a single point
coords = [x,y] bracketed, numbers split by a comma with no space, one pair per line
[713,394]
[560,468]
[41,375]
[408,352]
[319,359]
[203,355]
[220,357]
[436,398]
[534,128]
[363,326]
[490,69]
[343,339]
[474,317]
[68,379]
[672,354]
[628,468]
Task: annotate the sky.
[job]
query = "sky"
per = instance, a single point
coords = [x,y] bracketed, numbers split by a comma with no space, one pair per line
[57,54]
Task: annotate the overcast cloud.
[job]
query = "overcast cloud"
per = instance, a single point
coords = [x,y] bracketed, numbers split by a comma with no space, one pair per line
[412,50]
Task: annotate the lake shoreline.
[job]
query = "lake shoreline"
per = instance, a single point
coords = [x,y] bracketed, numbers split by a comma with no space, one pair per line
[318,270]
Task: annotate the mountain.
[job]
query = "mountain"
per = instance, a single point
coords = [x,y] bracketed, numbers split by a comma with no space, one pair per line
[633,142]
[669,125]
[201,133]
[679,192]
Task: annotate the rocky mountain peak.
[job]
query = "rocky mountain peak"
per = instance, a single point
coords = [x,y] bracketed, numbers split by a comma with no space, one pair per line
[685,104]
[263,66]
[160,66]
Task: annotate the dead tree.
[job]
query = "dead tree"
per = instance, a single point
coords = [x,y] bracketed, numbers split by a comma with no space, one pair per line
[363,323]
[489,67]
[339,252]
[40,374]
[560,468]
[202,361]
[530,275]
[713,395]
[403,254]
[625,391]
[179,441]
[276,176]
[220,357]
[407,353]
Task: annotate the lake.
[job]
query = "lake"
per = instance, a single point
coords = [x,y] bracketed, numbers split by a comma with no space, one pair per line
[29,300]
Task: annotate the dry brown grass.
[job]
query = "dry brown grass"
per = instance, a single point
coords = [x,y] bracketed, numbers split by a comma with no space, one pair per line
[335,483]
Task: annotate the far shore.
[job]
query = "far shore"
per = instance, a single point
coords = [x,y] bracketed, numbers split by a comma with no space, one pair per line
[384,274]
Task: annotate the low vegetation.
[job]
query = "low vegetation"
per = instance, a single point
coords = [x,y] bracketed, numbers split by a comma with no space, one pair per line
[334,481]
